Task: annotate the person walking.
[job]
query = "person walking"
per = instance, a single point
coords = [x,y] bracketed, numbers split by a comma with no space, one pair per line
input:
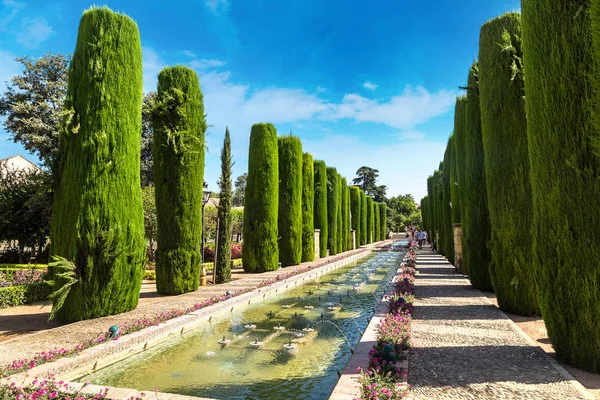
[420,239]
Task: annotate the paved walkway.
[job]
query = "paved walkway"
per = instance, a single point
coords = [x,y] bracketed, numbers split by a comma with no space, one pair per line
[68,336]
[466,348]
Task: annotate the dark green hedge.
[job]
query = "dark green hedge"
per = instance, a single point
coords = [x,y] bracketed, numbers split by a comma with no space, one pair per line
[457,169]
[12,296]
[308,209]
[475,223]
[447,234]
[504,130]
[363,218]
[355,208]
[558,60]
[370,220]
[223,261]
[332,210]
[383,232]
[261,252]
[98,221]
[179,128]
[340,216]
[321,209]
[376,223]
[290,201]
[346,215]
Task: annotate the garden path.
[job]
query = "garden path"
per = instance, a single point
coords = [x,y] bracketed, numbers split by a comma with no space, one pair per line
[464,347]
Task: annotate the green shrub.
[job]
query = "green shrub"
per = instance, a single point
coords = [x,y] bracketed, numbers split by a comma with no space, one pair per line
[223,261]
[355,207]
[150,275]
[376,223]
[332,209]
[13,296]
[345,214]
[504,130]
[383,232]
[98,220]
[4,267]
[370,219]
[321,209]
[558,56]
[363,217]
[290,200]
[475,222]
[340,216]
[179,128]
[308,208]
[261,252]
[447,234]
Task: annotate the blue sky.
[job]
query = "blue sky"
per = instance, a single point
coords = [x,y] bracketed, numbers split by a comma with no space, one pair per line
[360,83]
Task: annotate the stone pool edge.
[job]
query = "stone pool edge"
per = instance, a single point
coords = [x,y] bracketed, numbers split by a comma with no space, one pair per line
[133,343]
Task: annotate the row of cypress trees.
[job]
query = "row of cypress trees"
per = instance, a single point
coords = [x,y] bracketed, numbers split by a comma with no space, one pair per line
[524,175]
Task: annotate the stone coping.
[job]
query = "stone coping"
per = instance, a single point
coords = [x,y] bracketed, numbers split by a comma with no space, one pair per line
[348,387]
[107,353]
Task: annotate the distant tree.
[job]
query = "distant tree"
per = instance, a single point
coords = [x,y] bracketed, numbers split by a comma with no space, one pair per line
[149,203]
[367,180]
[25,208]
[146,164]
[237,224]
[33,105]
[239,193]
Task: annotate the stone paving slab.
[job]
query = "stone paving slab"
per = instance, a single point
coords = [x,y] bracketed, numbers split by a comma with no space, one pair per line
[463,347]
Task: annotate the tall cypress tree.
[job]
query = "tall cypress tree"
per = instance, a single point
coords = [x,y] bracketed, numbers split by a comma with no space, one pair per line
[504,129]
[376,224]
[383,221]
[290,200]
[476,222]
[460,134]
[349,220]
[321,209]
[447,233]
[223,261]
[308,209]
[179,128]
[261,251]
[345,215]
[363,216]
[370,219]
[332,210]
[355,208]
[98,221]
[558,57]
[340,216]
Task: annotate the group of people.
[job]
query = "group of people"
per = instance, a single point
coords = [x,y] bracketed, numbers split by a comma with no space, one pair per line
[416,234]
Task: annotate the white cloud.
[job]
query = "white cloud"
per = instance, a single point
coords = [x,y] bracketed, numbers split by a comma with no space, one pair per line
[10,8]
[370,86]
[189,53]
[410,135]
[151,64]
[205,64]
[217,6]
[321,89]
[34,31]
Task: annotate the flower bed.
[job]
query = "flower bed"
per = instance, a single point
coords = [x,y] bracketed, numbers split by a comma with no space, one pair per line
[25,364]
[385,378]
[17,277]
[50,389]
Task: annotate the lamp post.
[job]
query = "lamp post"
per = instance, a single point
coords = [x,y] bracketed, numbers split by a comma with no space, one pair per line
[205,197]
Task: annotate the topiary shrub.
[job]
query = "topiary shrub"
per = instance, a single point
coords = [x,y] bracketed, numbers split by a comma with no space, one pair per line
[290,200]
[261,251]
[383,231]
[98,220]
[347,240]
[321,209]
[355,207]
[370,220]
[308,208]
[340,216]
[13,296]
[376,224]
[504,131]
[560,75]
[363,216]
[179,127]
[332,210]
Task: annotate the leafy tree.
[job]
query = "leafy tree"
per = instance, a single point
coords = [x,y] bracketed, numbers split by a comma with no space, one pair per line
[367,180]
[25,208]
[240,190]
[237,224]
[223,261]
[147,160]
[33,105]
[150,224]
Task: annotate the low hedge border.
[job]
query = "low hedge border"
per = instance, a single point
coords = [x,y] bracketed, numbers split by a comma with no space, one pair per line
[22,266]
[150,274]
[12,296]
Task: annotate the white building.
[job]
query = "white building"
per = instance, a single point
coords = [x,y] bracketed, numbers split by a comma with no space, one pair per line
[17,163]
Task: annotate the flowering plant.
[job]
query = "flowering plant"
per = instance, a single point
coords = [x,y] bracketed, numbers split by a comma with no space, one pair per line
[22,277]
[50,389]
[375,386]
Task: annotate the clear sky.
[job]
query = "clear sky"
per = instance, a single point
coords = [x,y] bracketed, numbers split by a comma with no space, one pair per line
[361,83]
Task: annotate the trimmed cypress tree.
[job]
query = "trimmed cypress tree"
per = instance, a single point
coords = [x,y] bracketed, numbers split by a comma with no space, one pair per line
[363,216]
[383,221]
[370,219]
[321,209]
[332,209]
[349,219]
[345,214]
[179,128]
[559,61]
[448,234]
[376,223]
[355,208]
[223,261]
[460,133]
[98,221]
[261,251]
[308,209]
[504,130]
[290,200]
[340,216]
[476,222]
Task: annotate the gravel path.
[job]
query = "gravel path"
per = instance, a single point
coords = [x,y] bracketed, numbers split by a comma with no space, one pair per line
[466,348]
